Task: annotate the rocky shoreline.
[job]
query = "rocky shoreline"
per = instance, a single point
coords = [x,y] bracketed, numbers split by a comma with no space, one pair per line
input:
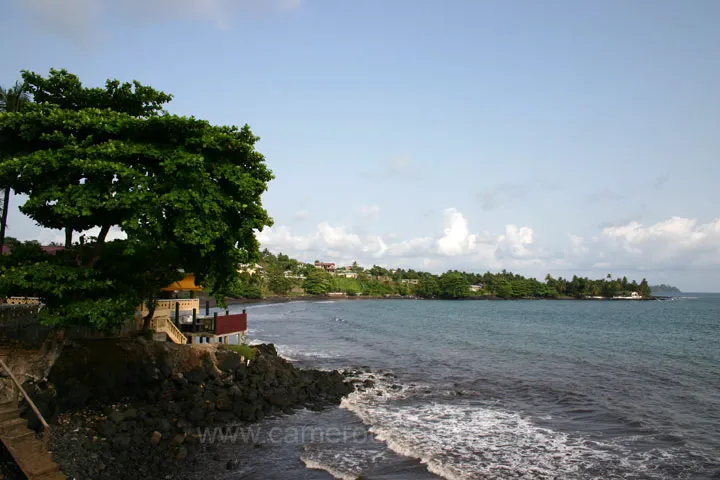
[133,409]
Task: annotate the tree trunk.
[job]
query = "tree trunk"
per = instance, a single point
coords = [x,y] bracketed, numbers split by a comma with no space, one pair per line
[103,233]
[148,318]
[68,237]
[100,242]
[5,208]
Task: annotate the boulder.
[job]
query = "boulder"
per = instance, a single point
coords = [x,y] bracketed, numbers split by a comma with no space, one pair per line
[228,361]
[121,441]
[155,438]
[116,417]
[223,402]
[178,439]
[107,429]
[182,453]
[196,376]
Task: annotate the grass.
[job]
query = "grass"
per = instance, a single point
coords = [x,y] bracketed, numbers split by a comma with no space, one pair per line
[245,350]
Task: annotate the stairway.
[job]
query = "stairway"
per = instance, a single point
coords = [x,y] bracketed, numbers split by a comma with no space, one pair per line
[165,325]
[25,447]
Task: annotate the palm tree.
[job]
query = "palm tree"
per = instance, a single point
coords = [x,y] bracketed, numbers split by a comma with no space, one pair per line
[13,100]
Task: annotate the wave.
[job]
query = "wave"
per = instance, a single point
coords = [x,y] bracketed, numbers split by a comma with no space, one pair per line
[336,472]
[459,439]
[295,353]
[348,462]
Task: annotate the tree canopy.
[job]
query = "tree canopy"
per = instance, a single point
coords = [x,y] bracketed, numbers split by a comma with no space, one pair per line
[186,193]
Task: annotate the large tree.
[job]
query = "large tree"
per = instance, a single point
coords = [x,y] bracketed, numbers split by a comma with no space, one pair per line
[185,193]
[453,285]
[317,282]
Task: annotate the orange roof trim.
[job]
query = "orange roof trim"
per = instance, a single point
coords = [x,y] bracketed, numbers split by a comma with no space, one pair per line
[187,283]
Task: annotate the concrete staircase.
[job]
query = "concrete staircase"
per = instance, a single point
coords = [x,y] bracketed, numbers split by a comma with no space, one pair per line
[25,447]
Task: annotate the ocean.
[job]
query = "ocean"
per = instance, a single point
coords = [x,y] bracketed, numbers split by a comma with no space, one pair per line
[497,389]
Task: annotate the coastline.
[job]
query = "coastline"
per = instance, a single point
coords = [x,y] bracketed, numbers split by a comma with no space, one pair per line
[279,299]
[144,409]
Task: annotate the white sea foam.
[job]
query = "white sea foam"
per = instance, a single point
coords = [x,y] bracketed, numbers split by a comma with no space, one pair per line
[344,463]
[295,353]
[456,439]
[331,469]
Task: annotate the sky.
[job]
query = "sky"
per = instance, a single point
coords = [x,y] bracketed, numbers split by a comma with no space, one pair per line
[558,137]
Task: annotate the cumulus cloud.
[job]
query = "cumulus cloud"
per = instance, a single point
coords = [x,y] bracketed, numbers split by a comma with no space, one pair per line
[455,245]
[516,243]
[671,245]
[674,244]
[457,239]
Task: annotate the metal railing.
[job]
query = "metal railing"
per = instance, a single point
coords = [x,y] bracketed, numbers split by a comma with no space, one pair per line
[19,390]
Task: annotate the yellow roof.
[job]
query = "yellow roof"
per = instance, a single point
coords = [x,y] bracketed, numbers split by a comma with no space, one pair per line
[187,283]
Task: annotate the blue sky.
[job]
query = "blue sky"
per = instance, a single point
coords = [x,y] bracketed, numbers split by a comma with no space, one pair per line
[555,136]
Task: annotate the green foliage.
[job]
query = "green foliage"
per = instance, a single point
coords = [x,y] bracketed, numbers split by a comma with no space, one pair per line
[248,286]
[244,350]
[379,282]
[278,283]
[186,193]
[318,282]
[373,288]
[505,290]
[429,287]
[350,286]
[453,285]
[14,99]
[376,271]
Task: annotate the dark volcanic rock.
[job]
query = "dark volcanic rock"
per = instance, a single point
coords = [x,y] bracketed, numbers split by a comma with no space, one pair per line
[158,397]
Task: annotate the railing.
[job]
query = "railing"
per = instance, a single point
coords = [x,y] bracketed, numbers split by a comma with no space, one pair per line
[184,304]
[20,390]
[163,324]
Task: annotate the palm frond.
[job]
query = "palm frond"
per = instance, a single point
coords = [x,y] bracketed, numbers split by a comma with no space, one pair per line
[13,99]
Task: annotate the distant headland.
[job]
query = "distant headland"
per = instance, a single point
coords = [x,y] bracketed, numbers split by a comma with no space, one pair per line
[662,288]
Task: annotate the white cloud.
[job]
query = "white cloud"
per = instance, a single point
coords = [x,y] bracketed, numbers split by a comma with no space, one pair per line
[671,245]
[456,246]
[676,243]
[47,236]
[516,242]
[457,239]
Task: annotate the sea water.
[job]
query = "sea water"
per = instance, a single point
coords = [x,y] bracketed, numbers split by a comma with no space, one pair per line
[501,389]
